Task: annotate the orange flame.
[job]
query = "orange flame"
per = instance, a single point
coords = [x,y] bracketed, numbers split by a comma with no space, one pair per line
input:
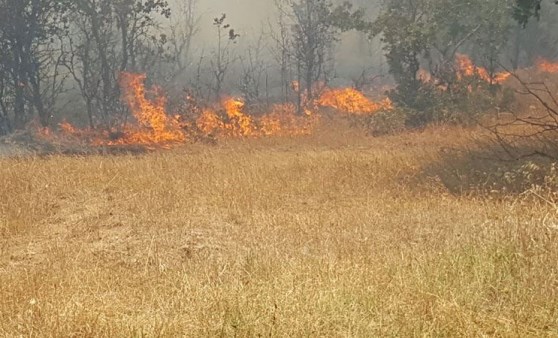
[68,128]
[547,66]
[235,123]
[425,76]
[240,124]
[154,127]
[352,101]
[282,120]
[466,68]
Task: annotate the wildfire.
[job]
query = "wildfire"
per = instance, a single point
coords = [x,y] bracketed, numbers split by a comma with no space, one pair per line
[68,128]
[547,66]
[236,122]
[425,76]
[352,101]
[240,124]
[466,68]
[154,127]
[284,120]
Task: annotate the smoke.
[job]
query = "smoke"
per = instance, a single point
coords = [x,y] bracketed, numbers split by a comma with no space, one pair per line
[246,16]
[354,55]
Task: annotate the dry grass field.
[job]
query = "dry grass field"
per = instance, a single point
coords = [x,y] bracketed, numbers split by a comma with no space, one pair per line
[335,236]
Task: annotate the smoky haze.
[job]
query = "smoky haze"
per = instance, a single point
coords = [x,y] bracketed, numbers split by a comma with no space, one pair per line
[354,54]
[63,60]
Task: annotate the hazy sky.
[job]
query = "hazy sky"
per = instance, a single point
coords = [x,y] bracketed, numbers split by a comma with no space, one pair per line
[245,16]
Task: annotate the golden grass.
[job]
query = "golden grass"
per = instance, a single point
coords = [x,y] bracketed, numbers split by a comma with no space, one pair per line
[321,236]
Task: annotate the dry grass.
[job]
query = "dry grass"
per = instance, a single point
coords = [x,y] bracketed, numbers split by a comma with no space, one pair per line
[324,236]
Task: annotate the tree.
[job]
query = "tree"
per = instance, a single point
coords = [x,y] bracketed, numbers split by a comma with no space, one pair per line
[252,71]
[313,36]
[281,49]
[526,9]
[5,122]
[315,27]
[27,39]
[407,35]
[183,28]
[110,37]
[523,135]
[427,34]
[222,58]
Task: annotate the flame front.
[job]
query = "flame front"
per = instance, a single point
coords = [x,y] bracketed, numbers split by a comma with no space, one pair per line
[240,124]
[155,126]
[352,101]
[236,122]
[283,120]
[547,66]
[466,68]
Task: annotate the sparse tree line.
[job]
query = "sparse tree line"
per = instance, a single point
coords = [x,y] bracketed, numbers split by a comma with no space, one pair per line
[60,53]
[52,47]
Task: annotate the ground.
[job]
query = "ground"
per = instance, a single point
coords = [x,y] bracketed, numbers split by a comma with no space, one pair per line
[8,150]
[342,235]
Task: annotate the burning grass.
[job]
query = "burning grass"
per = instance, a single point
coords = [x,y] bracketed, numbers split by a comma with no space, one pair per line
[547,66]
[328,235]
[154,127]
[466,68]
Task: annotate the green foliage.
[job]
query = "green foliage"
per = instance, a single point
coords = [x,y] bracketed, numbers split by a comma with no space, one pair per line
[425,35]
[346,18]
[406,36]
[484,170]
[526,9]
[387,122]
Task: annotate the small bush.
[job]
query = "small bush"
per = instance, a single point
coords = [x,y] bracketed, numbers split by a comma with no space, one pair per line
[482,171]
[463,102]
[387,122]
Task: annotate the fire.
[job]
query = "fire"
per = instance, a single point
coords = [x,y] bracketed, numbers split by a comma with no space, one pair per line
[547,66]
[155,126]
[68,128]
[425,76]
[240,124]
[466,68]
[284,120]
[209,122]
[236,122]
[352,101]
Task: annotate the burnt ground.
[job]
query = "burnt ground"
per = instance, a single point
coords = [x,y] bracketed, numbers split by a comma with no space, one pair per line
[26,144]
[10,150]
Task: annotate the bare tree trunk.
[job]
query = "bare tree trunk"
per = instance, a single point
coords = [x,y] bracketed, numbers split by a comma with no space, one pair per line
[20,118]
[89,108]
[38,103]
[516,48]
[5,125]
[299,91]
[107,96]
